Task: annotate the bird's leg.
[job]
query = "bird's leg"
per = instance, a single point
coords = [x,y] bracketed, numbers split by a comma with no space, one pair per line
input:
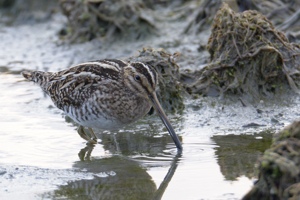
[80,131]
[85,136]
[94,137]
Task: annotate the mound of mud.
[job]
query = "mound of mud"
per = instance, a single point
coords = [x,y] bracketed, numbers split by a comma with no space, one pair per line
[249,57]
[279,172]
[107,18]
[284,14]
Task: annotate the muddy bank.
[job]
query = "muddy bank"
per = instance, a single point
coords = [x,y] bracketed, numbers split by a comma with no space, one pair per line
[18,12]
[249,57]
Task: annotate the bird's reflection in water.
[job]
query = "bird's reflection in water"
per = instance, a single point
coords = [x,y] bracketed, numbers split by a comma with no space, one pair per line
[115,178]
[130,144]
[124,174]
[139,138]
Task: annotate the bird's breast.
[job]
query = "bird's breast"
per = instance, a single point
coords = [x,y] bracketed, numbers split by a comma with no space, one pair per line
[109,110]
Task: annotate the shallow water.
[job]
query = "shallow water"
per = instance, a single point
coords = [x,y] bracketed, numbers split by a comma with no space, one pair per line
[43,157]
[39,154]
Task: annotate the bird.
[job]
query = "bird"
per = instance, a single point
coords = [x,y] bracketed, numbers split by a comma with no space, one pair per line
[103,94]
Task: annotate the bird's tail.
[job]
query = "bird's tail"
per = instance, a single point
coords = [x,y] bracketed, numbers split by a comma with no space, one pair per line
[39,77]
[27,74]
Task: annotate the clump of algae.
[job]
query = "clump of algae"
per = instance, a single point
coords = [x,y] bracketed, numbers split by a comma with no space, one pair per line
[279,167]
[89,19]
[248,57]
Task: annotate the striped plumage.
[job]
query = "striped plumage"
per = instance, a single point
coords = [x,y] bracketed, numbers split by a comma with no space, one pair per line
[103,94]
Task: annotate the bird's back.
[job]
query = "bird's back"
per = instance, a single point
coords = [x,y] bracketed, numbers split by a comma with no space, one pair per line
[91,91]
[71,87]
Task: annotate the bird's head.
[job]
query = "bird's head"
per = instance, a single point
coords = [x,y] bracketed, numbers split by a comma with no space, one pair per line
[141,79]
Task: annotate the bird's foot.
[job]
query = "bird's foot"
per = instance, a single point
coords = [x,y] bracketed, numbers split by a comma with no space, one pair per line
[85,153]
[92,141]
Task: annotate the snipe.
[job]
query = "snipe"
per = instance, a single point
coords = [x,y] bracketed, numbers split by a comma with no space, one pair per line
[103,94]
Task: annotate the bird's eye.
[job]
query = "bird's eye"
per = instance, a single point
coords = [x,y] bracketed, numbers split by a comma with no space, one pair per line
[137,78]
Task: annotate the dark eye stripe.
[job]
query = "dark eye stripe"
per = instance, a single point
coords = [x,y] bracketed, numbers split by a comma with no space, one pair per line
[149,73]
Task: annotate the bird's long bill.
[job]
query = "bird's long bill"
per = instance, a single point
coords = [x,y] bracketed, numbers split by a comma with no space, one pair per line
[165,120]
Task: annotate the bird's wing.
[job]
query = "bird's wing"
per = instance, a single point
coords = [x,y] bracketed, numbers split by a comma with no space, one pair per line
[74,86]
